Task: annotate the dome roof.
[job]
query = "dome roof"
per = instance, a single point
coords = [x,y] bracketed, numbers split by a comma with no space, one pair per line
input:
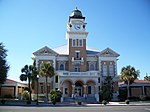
[76,13]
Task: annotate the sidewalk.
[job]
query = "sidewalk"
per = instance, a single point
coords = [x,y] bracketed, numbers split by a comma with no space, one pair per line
[73,104]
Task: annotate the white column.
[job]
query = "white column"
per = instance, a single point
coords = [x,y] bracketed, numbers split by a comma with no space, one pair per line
[116,67]
[96,93]
[143,90]
[37,62]
[54,64]
[16,90]
[99,64]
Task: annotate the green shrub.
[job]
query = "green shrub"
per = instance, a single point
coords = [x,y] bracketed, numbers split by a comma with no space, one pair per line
[55,96]
[142,97]
[8,96]
[3,101]
[26,95]
[127,101]
[104,102]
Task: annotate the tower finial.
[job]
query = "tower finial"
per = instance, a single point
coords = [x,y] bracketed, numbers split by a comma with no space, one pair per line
[76,8]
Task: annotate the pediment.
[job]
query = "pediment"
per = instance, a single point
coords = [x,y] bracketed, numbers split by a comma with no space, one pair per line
[108,53]
[45,51]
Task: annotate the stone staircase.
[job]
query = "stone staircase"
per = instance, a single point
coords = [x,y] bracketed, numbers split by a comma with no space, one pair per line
[82,99]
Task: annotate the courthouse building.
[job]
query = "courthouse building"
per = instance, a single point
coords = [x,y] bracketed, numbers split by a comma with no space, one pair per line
[79,70]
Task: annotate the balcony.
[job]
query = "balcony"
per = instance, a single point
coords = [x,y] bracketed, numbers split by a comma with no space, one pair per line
[77,60]
[88,73]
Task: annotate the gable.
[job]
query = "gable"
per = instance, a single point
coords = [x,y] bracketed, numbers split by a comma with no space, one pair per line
[45,51]
[108,53]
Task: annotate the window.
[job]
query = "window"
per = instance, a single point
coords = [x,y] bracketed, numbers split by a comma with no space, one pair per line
[99,80]
[111,69]
[61,67]
[77,55]
[77,68]
[99,88]
[80,42]
[89,89]
[92,66]
[73,42]
[56,79]
[104,69]
[41,88]
[45,52]
[66,90]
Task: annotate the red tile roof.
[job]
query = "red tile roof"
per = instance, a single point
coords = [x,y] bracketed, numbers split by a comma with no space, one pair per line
[141,81]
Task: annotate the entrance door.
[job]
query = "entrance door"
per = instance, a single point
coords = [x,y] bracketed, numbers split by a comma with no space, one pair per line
[78,88]
[78,91]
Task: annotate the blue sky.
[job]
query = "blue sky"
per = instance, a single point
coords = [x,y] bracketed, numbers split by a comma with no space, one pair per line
[122,25]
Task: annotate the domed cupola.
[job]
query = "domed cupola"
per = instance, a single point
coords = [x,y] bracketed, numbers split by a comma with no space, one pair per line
[76,13]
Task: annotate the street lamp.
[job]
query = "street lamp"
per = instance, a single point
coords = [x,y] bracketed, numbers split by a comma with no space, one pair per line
[37,103]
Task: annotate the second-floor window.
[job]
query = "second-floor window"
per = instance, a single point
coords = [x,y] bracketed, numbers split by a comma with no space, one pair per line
[77,68]
[91,66]
[73,42]
[99,80]
[111,69]
[61,67]
[77,54]
[56,79]
[104,69]
[80,42]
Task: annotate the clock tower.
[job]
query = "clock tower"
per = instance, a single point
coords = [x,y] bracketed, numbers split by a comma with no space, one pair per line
[76,36]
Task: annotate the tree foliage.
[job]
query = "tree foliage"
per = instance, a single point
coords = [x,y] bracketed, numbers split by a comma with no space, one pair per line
[28,73]
[107,89]
[55,95]
[129,74]
[147,78]
[47,70]
[4,67]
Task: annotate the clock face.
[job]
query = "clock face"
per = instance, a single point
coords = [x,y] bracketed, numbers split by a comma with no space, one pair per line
[77,27]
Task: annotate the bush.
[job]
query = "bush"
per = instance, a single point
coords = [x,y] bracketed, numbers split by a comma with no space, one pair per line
[26,96]
[55,96]
[3,101]
[122,94]
[127,101]
[142,97]
[104,102]
[8,96]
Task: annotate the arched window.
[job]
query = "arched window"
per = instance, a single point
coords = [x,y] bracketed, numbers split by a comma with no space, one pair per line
[61,67]
[92,66]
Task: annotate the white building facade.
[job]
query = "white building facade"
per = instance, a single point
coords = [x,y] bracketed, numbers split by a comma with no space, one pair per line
[79,70]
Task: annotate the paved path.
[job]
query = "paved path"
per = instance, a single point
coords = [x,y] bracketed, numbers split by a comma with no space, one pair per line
[22,103]
[76,109]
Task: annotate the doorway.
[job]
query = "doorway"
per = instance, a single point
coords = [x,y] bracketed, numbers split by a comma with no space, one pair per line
[78,89]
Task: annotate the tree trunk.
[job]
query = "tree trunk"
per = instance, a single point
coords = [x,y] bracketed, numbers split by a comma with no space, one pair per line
[29,89]
[128,89]
[46,91]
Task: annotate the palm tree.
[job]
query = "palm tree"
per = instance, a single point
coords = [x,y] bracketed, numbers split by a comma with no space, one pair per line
[27,74]
[35,72]
[147,78]
[129,74]
[47,70]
